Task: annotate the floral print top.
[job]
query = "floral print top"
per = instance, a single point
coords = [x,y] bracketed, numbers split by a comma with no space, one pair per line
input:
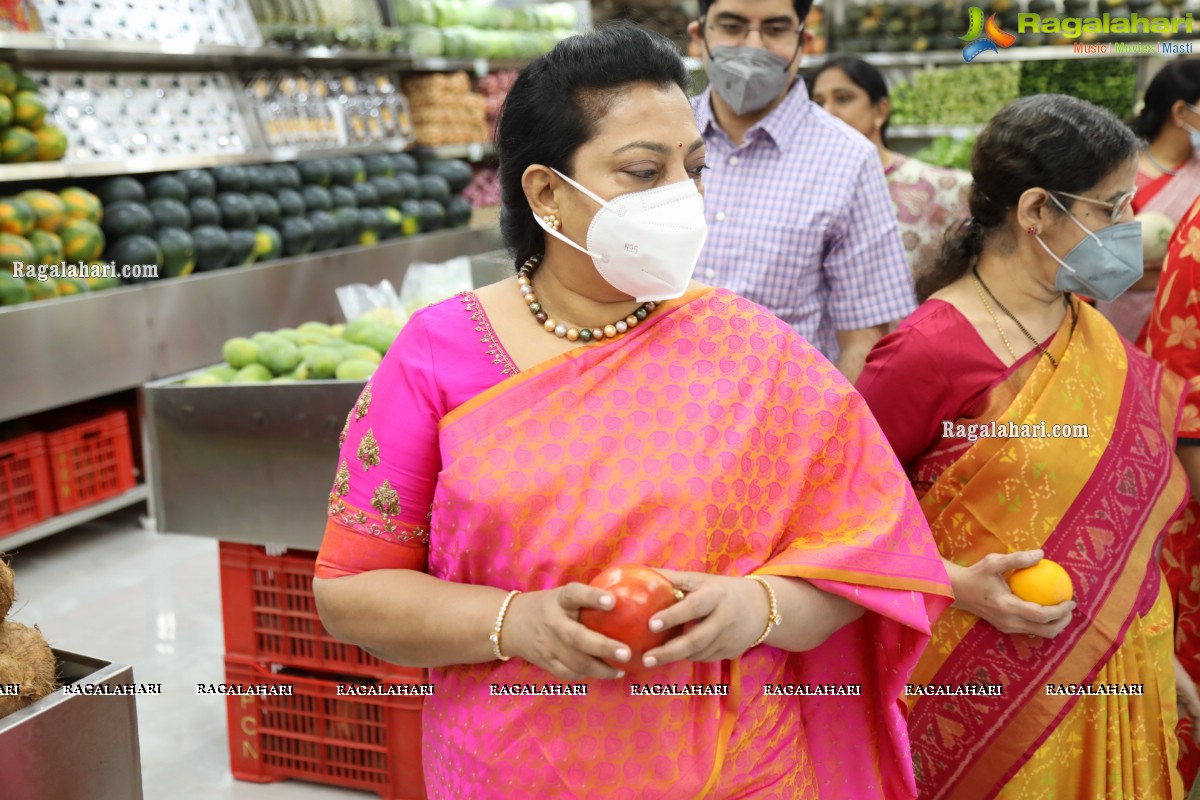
[929,202]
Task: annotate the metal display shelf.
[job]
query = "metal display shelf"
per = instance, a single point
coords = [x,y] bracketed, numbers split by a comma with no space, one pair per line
[39,48]
[138,494]
[945,57]
[53,170]
[475,151]
[932,131]
[92,345]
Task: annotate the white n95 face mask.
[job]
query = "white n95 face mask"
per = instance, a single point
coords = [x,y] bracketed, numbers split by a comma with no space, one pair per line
[645,244]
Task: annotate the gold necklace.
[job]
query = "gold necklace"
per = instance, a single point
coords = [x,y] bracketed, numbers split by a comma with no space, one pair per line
[980,284]
[995,319]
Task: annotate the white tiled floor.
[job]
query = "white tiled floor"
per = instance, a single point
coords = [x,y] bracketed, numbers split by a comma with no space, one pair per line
[114,591]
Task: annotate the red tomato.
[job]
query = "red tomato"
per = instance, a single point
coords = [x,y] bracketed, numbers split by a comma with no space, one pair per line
[640,593]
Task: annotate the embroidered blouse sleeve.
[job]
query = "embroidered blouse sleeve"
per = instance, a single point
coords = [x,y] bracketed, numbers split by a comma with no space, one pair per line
[388,466]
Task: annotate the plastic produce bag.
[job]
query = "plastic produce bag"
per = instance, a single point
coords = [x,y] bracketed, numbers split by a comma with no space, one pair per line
[426,284]
[359,298]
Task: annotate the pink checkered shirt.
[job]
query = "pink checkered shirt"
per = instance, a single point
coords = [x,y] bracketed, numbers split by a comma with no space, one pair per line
[800,222]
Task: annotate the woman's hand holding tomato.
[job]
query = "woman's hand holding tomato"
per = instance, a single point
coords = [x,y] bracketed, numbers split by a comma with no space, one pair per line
[543,628]
[730,614]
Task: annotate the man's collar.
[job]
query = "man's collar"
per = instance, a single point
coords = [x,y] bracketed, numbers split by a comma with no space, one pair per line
[779,127]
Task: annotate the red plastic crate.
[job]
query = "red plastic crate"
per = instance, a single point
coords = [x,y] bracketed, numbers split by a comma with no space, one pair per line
[26,495]
[91,461]
[358,742]
[271,615]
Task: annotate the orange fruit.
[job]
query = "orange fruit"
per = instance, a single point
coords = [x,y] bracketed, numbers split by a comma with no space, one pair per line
[1045,583]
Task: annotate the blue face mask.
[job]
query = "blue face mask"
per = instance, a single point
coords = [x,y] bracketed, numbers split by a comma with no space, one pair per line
[1104,264]
[1194,135]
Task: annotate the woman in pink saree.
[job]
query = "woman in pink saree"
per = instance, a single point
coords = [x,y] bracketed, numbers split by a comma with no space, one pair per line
[502,457]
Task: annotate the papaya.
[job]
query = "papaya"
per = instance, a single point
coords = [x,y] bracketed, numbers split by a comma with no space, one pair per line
[6,112]
[16,216]
[51,143]
[18,145]
[48,246]
[49,211]
[82,241]
[29,110]
[15,250]
[42,289]
[13,291]
[71,286]
[81,204]
[8,79]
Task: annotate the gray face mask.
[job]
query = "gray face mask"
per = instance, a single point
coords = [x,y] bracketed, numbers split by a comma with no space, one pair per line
[748,78]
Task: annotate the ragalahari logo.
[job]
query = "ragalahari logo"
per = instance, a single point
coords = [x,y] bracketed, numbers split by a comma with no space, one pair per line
[993,37]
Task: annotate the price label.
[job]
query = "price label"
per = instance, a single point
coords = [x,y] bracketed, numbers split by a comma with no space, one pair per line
[475,151]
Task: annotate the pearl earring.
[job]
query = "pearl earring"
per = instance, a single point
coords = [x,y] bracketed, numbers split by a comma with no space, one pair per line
[552,221]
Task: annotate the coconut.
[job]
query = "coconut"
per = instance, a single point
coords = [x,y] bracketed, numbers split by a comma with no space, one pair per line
[7,592]
[1156,235]
[26,660]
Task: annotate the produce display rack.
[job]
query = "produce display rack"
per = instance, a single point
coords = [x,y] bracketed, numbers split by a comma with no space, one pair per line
[62,522]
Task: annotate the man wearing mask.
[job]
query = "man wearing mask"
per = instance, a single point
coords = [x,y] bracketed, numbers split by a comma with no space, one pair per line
[798,210]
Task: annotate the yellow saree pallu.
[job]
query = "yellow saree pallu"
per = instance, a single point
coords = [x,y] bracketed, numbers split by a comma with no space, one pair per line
[714,440]
[1099,505]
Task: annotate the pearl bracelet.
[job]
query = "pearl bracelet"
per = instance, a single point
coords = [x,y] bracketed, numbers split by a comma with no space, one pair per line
[773,618]
[495,637]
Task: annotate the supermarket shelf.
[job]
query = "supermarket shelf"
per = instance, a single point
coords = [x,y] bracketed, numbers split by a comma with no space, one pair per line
[39,49]
[932,131]
[476,151]
[942,57]
[93,345]
[138,494]
[53,170]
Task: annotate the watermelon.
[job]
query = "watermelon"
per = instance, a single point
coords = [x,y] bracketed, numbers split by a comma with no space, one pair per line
[136,251]
[242,248]
[343,197]
[348,225]
[204,211]
[435,187]
[268,243]
[298,236]
[327,233]
[314,172]
[49,247]
[379,166]
[341,171]
[199,182]
[170,187]
[287,176]
[389,191]
[458,174]
[212,247]
[291,203]
[51,143]
[236,210]
[15,250]
[366,195]
[121,187]
[18,146]
[82,241]
[404,163]
[391,222]
[126,218]
[29,110]
[358,168]
[410,186]
[81,204]
[48,208]
[231,178]
[169,213]
[16,216]
[433,216]
[267,208]
[8,79]
[370,221]
[6,112]
[317,198]
[178,252]
[458,212]
[13,291]
[260,179]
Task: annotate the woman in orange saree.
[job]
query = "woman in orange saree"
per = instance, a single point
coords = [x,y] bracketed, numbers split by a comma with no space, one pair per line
[1054,438]
[708,441]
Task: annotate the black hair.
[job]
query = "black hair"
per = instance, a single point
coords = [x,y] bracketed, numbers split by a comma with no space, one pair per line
[1050,141]
[802,8]
[862,74]
[1179,80]
[554,106]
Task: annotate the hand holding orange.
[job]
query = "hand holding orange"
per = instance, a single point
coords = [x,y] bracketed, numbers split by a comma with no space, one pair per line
[1045,583]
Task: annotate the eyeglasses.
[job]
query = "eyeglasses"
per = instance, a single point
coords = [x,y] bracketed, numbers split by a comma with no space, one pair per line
[1117,208]
[778,34]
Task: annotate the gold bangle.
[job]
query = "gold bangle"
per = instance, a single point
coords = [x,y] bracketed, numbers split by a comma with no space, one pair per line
[495,637]
[773,617]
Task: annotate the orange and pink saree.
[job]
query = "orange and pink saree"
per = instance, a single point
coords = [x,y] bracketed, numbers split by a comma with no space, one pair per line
[712,439]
